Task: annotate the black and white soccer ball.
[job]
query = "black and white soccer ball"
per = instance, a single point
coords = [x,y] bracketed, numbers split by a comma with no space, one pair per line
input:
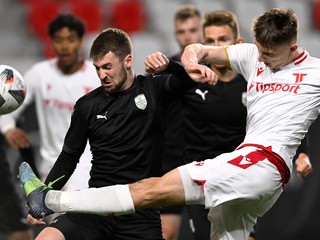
[12,89]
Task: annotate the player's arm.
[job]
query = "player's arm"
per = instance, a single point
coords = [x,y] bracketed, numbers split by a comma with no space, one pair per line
[302,161]
[15,136]
[158,62]
[303,165]
[73,147]
[195,53]
[174,78]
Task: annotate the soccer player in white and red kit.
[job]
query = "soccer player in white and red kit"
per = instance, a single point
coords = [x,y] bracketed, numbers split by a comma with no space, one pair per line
[283,101]
[54,85]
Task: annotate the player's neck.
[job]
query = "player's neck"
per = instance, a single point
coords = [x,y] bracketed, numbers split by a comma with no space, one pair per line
[129,81]
[224,73]
[72,68]
[293,56]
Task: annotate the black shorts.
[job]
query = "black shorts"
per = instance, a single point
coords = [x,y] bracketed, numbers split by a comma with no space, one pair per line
[172,210]
[198,218]
[12,215]
[143,225]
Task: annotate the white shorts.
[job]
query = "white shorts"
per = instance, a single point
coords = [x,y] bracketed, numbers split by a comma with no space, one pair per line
[238,187]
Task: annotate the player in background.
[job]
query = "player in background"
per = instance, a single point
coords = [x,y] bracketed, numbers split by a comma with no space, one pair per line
[124,122]
[214,117]
[187,22]
[54,85]
[241,185]
[12,218]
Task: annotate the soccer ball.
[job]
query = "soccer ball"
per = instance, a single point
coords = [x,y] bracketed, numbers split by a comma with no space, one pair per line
[12,89]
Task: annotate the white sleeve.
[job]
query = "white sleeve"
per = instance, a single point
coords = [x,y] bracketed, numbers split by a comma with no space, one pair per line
[8,121]
[243,58]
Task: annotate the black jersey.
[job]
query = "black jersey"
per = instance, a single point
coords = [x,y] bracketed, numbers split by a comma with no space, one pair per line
[214,118]
[173,144]
[125,130]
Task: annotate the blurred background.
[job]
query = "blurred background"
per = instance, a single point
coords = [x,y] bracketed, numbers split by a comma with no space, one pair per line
[24,41]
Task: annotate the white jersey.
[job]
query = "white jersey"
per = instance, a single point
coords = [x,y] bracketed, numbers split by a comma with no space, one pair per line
[281,105]
[55,94]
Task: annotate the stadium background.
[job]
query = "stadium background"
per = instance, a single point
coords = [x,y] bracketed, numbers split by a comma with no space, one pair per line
[23,41]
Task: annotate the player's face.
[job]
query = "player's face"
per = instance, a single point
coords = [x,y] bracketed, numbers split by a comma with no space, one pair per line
[113,72]
[218,36]
[188,31]
[276,57]
[67,45]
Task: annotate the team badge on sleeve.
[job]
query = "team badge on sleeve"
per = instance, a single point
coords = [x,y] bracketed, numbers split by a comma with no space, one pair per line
[141,101]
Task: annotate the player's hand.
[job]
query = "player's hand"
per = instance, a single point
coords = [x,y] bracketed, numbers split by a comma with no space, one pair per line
[201,73]
[156,62]
[17,138]
[303,165]
[34,221]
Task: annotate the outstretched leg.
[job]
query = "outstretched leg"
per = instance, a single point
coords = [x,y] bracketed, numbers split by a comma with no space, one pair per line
[35,191]
[174,188]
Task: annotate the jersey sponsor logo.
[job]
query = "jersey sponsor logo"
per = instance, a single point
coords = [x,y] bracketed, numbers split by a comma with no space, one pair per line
[202,94]
[248,160]
[299,77]
[274,87]
[259,71]
[102,116]
[58,104]
[278,87]
[141,101]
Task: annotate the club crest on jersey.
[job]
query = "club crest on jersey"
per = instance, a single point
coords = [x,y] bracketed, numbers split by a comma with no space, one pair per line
[141,101]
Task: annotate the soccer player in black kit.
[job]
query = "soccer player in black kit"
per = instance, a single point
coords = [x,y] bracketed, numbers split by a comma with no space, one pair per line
[214,117]
[124,122]
[187,23]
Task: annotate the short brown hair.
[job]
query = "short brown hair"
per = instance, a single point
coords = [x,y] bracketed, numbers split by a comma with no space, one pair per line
[276,27]
[221,18]
[111,40]
[186,11]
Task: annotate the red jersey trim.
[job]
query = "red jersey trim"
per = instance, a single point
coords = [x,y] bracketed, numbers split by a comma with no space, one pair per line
[300,58]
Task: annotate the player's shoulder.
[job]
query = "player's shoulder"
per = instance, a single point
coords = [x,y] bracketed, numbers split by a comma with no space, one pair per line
[91,98]
[153,81]
[141,80]
[313,60]
[243,47]
[42,66]
[88,65]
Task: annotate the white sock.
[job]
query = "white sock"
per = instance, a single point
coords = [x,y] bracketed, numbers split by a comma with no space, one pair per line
[115,200]
[192,191]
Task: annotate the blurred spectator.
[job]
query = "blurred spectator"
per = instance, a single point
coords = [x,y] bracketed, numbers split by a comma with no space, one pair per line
[55,85]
